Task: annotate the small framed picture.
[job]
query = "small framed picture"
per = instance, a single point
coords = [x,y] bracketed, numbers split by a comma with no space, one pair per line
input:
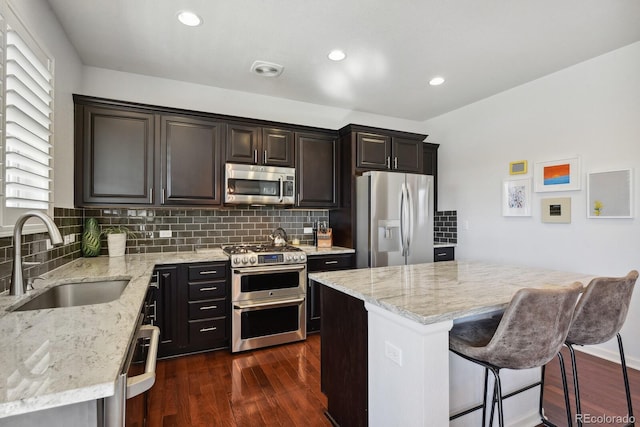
[557,175]
[516,197]
[518,168]
[557,210]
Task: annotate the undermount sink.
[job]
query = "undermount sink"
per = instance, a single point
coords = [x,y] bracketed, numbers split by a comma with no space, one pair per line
[75,294]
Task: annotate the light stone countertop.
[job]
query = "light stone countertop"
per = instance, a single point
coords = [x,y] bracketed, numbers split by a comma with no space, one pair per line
[449,290]
[61,356]
[334,250]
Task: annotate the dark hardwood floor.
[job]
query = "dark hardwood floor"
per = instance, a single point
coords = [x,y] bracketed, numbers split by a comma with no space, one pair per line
[280,386]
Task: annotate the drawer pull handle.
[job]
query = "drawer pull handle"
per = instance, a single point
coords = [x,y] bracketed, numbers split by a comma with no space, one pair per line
[330,262]
[202,273]
[442,254]
[213,288]
[209,307]
[208,329]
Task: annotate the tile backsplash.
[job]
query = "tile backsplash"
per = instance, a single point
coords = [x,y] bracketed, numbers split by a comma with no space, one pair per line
[205,228]
[445,227]
[189,229]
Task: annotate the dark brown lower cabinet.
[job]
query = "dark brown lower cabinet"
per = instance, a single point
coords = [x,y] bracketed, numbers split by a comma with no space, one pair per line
[192,308]
[317,263]
[343,353]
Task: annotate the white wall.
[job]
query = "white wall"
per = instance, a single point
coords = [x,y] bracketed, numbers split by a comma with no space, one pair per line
[592,110]
[172,93]
[44,26]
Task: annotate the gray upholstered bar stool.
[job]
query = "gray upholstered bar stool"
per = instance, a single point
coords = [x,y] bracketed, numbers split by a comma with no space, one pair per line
[599,316]
[529,334]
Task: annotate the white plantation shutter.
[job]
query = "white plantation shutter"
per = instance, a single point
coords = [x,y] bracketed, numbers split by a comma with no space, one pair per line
[28,99]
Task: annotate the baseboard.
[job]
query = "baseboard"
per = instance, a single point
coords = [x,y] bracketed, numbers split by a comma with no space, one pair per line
[532,420]
[612,356]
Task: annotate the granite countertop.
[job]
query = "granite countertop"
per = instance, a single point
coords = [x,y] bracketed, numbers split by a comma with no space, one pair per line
[61,356]
[450,290]
[333,250]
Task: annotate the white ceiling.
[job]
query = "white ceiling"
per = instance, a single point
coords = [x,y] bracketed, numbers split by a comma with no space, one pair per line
[393,47]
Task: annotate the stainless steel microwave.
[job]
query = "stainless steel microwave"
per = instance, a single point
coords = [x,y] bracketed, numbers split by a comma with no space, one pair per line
[261,185]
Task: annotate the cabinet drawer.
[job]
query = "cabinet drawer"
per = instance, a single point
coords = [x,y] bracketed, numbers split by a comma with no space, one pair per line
[443,254]
[207,331]
[329,262]
[207,272]
[206,290]
[206,309]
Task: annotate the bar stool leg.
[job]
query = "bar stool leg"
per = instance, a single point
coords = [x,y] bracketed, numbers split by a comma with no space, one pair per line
[484,398]
[576,387]
[563,374]
[625,375]
[497,396]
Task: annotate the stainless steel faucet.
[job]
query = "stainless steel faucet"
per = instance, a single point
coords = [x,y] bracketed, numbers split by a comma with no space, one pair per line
[18,285]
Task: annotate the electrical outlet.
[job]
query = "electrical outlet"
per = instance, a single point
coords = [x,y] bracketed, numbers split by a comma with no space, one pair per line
[72,238]
[307,230]
[165,233]
[48,244]
[392,352]
[66,239]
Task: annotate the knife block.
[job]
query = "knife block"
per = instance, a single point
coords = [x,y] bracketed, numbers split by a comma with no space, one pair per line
[325,239]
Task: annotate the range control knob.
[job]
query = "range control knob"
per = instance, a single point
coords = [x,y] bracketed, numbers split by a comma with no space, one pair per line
[295,257]
[244,260]
[302,257]
[252,260]
[236,260]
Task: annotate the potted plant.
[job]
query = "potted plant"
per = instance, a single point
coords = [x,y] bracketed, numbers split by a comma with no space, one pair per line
[117,239]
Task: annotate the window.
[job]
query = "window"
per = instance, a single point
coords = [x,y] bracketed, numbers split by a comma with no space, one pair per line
[27,122]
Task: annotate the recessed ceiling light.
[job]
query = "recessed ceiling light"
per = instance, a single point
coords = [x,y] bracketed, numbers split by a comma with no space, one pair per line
[189,18]
[436,81]
[337,55]
[267,69]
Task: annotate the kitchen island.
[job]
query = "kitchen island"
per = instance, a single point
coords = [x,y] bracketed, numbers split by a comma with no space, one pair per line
[405,314]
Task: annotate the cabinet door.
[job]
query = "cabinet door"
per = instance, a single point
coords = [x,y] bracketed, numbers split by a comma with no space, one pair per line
[317,170]
[430,167]
[277,147]
[243,143]
[407,155]
[168,313]
[118,156]
[191,166]
[373,151]
[322,263]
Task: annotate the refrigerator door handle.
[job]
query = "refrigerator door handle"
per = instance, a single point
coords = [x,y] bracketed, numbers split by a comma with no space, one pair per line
[402,224]
[411,213]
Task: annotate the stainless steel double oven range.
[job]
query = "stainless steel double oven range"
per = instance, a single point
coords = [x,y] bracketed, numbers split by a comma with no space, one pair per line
[268,294]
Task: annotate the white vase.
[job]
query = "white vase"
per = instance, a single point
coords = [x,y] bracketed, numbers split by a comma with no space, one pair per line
[117,244]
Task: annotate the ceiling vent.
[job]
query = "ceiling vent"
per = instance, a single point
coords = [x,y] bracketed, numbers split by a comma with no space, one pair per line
[267,69]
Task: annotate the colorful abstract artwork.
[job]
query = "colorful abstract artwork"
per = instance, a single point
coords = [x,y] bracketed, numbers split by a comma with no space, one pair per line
[557,174]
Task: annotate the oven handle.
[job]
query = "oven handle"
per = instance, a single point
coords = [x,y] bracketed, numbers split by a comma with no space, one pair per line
[276,303]
[281,188]
[275,268]
[143,382]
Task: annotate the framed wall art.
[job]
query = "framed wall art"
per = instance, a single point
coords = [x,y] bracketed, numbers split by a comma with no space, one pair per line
[516,197]
[518,168]
[557,175]
[556,210]
[609,194]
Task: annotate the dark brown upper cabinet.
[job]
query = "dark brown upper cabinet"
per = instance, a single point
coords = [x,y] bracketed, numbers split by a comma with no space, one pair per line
[114,156]
[191,160]
[259,145]
[375,151]
[317,170]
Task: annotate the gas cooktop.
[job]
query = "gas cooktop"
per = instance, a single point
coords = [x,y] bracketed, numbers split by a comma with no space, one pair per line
[254,255]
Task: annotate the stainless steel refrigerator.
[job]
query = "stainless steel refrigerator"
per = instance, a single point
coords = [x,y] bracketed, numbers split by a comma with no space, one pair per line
[394,219]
